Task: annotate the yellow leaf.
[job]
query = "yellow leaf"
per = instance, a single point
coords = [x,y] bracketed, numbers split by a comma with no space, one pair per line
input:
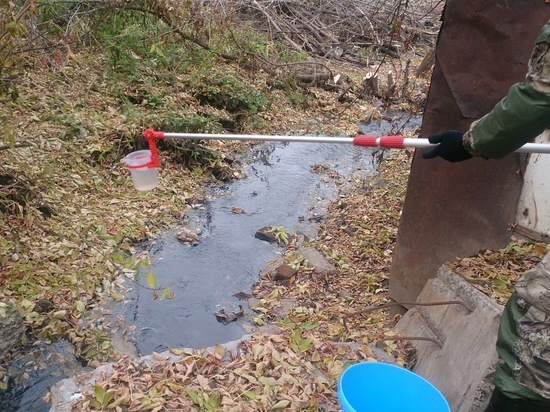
[151,279]
[250,394]
[257,351]
[219,351]
[60,314]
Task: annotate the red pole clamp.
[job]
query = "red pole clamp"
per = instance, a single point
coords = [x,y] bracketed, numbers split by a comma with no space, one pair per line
[151,136]
[369,141]
[392,142]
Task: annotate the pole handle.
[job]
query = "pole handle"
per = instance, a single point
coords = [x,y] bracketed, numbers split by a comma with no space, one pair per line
[390,142]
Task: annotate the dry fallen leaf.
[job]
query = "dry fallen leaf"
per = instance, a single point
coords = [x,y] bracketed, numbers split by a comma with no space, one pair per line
[237,210]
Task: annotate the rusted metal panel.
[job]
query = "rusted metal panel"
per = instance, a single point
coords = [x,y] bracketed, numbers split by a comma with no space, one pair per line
[456,209]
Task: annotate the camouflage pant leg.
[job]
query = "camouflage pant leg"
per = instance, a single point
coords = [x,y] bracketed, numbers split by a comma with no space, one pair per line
[501,403]
[539,63]
[523,343]
[532,350]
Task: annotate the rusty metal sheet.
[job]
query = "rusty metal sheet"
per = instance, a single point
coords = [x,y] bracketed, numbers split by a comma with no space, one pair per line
[455,210]
[484,47]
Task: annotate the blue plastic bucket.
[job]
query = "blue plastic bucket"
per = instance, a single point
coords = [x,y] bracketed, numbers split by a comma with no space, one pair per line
[381,387]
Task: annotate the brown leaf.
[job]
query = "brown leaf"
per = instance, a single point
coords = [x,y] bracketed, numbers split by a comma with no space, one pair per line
[203,382]
[237,210]
[160,357]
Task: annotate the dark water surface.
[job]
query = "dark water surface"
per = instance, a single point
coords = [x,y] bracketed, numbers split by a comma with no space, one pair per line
[281,189]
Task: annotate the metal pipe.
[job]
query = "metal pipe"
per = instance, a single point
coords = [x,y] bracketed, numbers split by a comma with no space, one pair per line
[268,138]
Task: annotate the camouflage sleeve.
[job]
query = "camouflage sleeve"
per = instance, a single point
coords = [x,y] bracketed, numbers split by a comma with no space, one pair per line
[520,116]
[524,338]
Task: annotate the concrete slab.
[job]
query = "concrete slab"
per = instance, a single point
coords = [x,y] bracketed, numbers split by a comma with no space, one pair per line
[461,368]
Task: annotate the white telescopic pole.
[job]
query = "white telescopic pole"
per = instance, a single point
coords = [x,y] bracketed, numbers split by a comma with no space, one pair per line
[389,142]
[267,138]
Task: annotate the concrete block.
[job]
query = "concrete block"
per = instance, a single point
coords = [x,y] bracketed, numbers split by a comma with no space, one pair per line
[459,368]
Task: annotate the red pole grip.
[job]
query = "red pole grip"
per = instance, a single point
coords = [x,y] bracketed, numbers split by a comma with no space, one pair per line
[392,142]
[369,141]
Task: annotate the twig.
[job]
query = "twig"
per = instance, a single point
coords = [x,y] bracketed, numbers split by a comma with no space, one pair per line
[15,146]
[276,26]
[389,305]
[437,342]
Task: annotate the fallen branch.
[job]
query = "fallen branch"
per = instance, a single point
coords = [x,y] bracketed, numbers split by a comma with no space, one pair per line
[314,27]
[15,146]
[313,78]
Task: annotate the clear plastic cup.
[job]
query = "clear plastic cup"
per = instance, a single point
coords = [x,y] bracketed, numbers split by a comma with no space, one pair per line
[143,174]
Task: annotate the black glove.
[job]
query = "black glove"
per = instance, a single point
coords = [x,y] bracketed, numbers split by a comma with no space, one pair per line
[450,146]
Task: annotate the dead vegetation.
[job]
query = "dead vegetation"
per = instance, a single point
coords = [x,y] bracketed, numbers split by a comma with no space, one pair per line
[341,30]
[317,32]
[495,272]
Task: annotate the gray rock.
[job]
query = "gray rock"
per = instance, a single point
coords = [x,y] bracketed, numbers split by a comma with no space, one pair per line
[284,272]
[316,260]
[266,235]
[65,392]
[11,328]
[271,267]
[284,308]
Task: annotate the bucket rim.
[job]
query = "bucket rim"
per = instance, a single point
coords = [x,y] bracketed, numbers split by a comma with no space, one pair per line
[383,365]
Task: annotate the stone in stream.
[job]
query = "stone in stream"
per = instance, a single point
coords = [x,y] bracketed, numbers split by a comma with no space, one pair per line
[266,234]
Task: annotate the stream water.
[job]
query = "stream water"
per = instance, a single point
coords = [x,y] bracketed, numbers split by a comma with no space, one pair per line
[282,188]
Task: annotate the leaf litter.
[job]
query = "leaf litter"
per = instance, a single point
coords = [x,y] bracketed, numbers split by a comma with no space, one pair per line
[77,256]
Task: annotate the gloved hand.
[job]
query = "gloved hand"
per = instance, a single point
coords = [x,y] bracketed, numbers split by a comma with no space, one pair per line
[449,148]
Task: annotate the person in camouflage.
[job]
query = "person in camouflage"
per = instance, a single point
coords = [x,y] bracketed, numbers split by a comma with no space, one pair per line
[522,377]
